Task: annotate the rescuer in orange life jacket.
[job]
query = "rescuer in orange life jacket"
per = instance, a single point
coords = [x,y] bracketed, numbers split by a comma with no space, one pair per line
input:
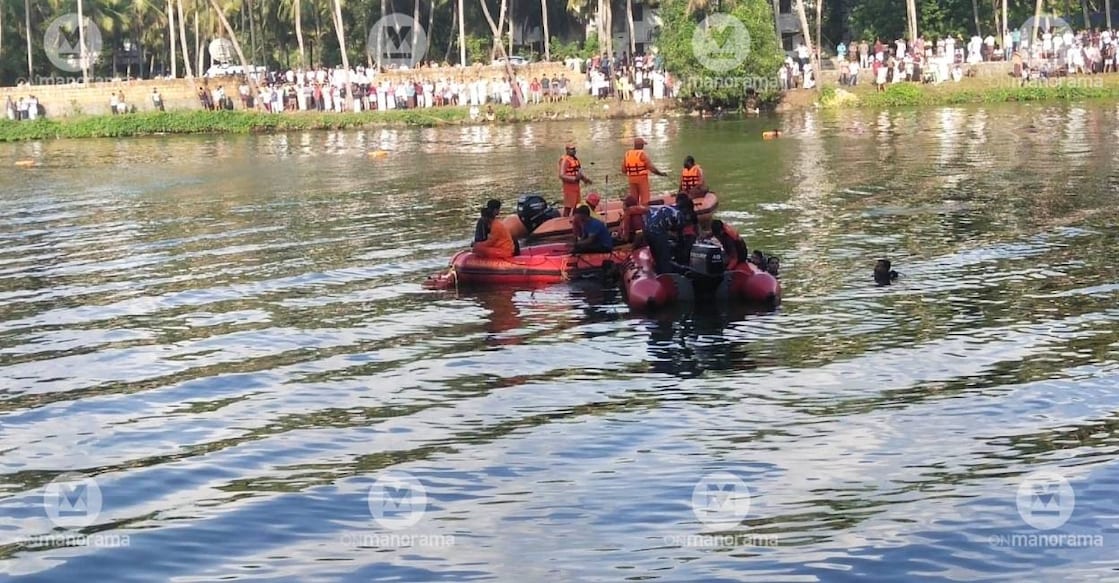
[692,182]
[636,165]
[571,174]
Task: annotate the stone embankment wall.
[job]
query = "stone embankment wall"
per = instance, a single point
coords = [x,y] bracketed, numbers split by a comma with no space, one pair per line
[182,94]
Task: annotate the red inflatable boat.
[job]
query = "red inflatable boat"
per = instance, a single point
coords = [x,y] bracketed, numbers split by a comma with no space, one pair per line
[645,290]
[537,265]
[535,220]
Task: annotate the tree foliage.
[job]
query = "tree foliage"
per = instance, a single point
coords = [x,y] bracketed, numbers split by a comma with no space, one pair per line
[757,71]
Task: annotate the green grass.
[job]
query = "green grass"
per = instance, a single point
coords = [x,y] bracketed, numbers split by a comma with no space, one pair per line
[247,122]
[980,91]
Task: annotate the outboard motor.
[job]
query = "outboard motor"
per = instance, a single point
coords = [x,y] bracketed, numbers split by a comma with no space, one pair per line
[707,259]
[533,211]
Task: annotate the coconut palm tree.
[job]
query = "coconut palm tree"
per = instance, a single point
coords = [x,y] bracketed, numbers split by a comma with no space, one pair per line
[547,39]
[183,40]
[30,60]
[911,11]
[629,21]
[236,45]
[297,16]
[807,39]
[341,32]
[500,48]
[461,34]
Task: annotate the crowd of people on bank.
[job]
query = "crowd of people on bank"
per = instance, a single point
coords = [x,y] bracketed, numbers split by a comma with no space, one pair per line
[1055,52]
[24,108]
[641,79]
[668,230]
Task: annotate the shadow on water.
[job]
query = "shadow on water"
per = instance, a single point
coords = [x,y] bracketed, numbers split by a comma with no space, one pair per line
[689,341]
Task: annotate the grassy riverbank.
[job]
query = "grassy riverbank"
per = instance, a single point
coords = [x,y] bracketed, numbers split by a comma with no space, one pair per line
[976,90]
[244,122]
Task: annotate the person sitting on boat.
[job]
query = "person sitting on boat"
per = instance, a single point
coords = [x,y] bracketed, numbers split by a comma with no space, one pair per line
[692,182]
[571,173]
[734,248]
[689,231]
[499,243]
[482,229]
[633,221]
[591,204]
[591,234]
[663,225]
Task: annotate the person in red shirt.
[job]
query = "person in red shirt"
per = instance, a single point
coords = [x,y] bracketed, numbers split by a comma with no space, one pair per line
[633,221]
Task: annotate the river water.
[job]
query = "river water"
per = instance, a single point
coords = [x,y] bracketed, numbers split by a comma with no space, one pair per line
[226,339]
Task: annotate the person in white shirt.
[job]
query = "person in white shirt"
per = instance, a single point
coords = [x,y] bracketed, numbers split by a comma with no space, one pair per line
[114,103]
[853,73]
[32,108]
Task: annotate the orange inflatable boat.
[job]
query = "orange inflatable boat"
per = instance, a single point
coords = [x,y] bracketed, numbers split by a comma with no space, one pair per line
[536,265]
[745,283]
[536,220]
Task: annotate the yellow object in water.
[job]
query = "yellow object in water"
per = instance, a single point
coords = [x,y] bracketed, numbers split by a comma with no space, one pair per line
[25,163]
[379,154]
[771,134]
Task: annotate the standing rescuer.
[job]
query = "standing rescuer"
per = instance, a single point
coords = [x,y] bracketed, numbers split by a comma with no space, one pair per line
[571,174]
[637,166]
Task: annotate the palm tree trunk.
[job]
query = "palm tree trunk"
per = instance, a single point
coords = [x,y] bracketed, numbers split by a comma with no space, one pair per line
[171,36]
[1005,20]
[197,41]
[431,20]
[1107,12]
[609,28]
[599,21]
[1037,21]
[517,98]
[808,40]
[340,31]
[819,41]
[777,23]
[632,36]
[81,44]
[998,21]
[911,18]
[500,31]
[1084,5]
[547,39]
[297,14]
[380,43]
[511,27]
[461,34]
[252,32]
[30,61]
[975,12]
[183,40]
[415,30]
[236,45]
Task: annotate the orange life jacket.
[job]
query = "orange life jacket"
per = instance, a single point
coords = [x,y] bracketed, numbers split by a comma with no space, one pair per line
[635,163]
[571,166]
[690,177]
